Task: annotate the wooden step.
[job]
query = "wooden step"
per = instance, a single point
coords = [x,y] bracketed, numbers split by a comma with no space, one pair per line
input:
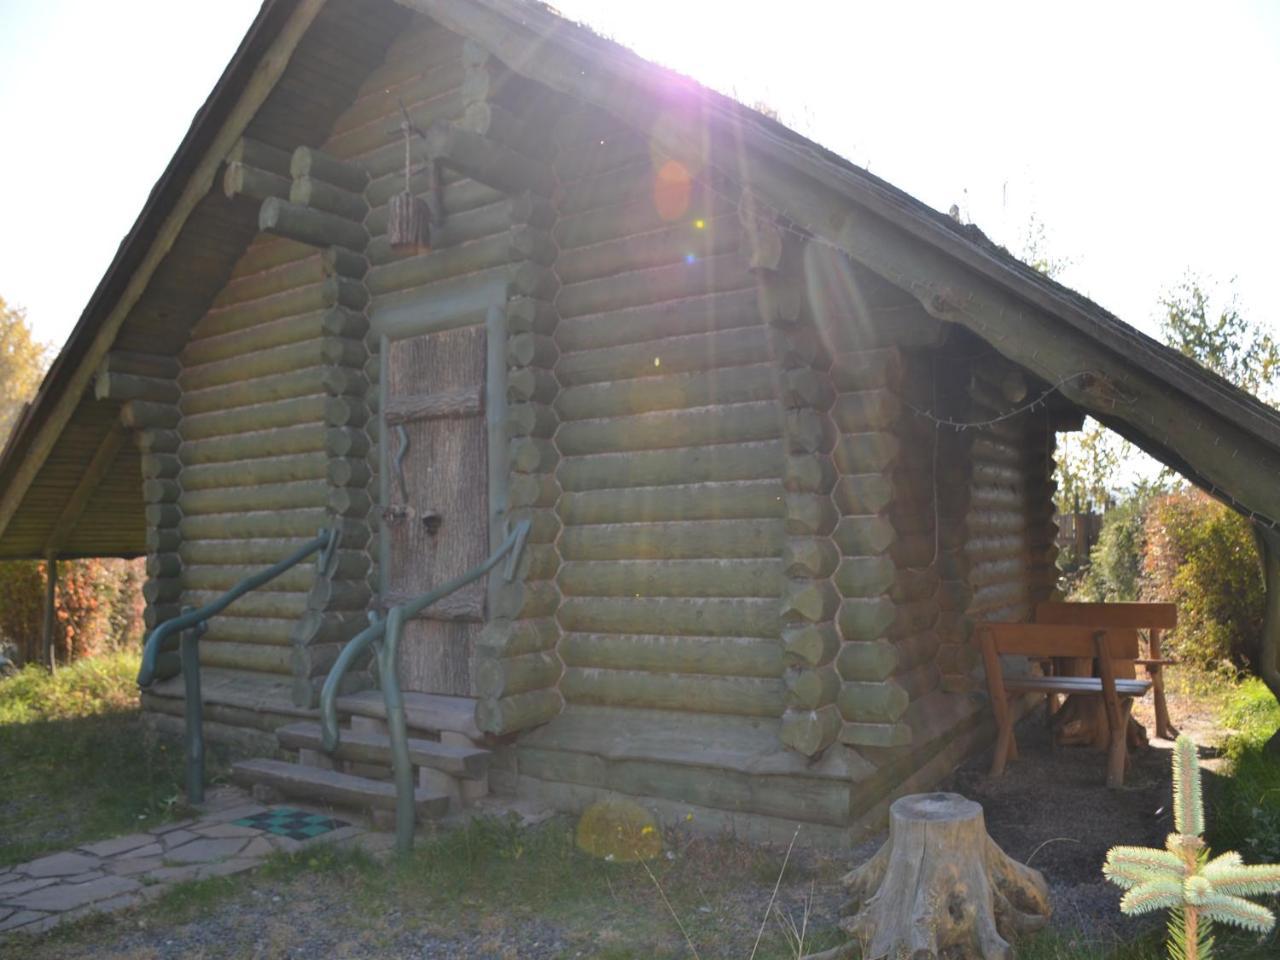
[422,711]
[467,763]
[342,789]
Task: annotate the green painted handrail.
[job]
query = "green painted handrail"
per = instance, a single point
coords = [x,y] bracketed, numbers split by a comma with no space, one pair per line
[191,624]
[384,637]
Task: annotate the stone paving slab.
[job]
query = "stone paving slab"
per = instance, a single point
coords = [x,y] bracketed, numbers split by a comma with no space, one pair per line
[118,845]
[62,865]
[124,872]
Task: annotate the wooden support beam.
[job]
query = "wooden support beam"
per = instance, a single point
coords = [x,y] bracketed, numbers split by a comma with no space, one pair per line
[93,474]
[50,613]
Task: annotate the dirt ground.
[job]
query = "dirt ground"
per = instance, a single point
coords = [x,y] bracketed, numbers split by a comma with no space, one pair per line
[1051,810]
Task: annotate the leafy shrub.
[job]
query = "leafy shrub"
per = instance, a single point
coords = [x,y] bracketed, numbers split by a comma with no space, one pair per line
[1202,556]
[98,606]
[1114,572]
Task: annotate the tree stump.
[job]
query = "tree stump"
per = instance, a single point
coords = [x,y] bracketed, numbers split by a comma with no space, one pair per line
[1082,720]
[940,888]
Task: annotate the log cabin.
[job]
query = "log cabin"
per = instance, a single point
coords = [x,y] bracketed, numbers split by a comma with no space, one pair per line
[779,432]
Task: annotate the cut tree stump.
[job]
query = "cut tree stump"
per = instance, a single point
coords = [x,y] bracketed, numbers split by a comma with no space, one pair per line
[940,888]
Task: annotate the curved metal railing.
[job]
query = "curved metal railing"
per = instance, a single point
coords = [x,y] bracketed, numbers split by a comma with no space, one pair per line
[383,635]
[191,625]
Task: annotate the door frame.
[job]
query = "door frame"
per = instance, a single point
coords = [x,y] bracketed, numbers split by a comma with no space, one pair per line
[487,306]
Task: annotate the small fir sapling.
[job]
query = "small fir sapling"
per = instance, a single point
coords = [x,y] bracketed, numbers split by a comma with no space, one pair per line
[1198,891]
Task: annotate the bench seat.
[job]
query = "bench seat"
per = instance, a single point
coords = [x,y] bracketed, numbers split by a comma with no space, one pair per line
[1069,685]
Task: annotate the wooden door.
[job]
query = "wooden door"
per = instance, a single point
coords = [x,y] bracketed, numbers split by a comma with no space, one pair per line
[435,499]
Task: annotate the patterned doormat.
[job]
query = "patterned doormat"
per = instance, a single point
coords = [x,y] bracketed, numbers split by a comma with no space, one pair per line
[291,823]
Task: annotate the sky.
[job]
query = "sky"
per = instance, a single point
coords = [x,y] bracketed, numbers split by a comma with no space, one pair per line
[1142,137]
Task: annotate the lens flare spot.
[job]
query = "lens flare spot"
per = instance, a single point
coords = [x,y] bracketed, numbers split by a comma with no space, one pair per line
[672,190]
[690,258]
[657,361]
[699,224]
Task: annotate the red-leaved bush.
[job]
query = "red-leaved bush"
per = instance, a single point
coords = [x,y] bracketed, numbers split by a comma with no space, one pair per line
[98,606]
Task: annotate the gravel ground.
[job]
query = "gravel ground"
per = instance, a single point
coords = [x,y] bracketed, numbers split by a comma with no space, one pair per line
[1051,809]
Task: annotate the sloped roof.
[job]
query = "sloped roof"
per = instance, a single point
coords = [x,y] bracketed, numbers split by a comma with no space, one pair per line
[1219,436]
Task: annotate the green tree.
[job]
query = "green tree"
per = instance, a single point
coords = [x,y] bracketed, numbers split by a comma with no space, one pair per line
[23,359]
[1217,336]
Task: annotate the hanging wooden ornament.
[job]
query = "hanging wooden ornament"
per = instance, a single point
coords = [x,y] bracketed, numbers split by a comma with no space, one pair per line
[409,216]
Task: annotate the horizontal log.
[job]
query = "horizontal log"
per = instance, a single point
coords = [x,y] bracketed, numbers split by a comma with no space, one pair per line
[533,490]
[882,735]
[736,696]
[706,539]
[255,153]
[655,393]
[497,678]
[273,496]
[531,350]
[161,491]
[530,599]
[526,315]
[671,243]
[863,493]
[726,462]
[866,535]
[733,424]
[270,415]
[808,601]
[256,603]
[532,385]
[512,714]
[220,578]
[866,410]
[809,557]
[246,656]
[165,466]
[692,315]
[501,249]
[882,702]
[866,576]
[861,453]
[286,359]
[254,183]
[461,196]
[513,638]
[146,415]
[701,501]
[672,578]
[310,162]
[306,191]
[727,656]
[127,386]
[254,524]
[809,688]
[314,227]
[671,616]
[589,215]
[292,385]
[487,161]
[264,336]
[810,732]
[531,420]
[716,274]
[266,470]
[734,348]
[809,515]
[810,644]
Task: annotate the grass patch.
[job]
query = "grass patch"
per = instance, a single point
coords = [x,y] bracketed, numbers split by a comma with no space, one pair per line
[79,764]
[1244,812]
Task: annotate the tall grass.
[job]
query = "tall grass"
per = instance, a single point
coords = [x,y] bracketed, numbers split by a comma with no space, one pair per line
[76,761]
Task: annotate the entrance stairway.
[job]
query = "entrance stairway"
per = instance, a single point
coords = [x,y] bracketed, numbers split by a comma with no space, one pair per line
[450,766]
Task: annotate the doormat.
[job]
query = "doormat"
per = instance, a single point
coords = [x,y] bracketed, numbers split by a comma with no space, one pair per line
[291,823]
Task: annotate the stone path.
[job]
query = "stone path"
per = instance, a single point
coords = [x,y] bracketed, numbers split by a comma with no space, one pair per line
[127,871]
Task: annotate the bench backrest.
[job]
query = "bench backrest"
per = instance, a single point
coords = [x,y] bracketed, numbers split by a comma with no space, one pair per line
[1056,640]
[1133,616]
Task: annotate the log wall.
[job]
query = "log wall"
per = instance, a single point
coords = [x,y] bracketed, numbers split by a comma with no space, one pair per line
[670,442]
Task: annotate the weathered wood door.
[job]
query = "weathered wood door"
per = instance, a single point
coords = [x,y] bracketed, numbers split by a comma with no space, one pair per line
[435,499]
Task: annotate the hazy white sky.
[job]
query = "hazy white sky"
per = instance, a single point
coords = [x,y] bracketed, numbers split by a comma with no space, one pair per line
[1144,136]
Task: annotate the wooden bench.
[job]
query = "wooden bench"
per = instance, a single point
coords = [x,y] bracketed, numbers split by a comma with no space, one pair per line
[1040,641]
[1130,618]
